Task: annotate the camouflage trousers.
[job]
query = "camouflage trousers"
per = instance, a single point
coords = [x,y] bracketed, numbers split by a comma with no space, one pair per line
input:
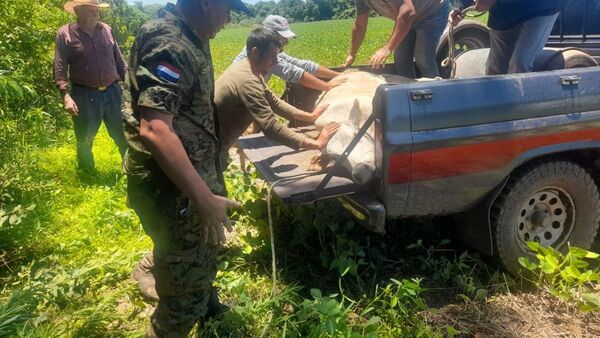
[184,265]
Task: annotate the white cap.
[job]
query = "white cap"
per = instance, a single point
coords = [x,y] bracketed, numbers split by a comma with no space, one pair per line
[280,25]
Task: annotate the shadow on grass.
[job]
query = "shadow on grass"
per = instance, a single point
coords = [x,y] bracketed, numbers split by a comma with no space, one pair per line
[100,178]
[322,247]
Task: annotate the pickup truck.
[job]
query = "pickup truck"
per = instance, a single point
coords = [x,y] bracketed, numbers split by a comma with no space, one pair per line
[517,155]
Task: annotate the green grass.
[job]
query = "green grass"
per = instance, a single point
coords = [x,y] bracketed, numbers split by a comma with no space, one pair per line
[64,270]
[74,253]
[326,42]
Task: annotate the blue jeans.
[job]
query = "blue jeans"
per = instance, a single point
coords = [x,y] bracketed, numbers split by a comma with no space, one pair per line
[96,106]
[420,44]
[514,50]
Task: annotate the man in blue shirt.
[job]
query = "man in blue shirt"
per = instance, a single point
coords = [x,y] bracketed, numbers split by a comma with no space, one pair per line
[519,30]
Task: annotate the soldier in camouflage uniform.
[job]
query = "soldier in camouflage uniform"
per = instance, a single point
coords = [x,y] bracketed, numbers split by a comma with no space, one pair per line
[175,184]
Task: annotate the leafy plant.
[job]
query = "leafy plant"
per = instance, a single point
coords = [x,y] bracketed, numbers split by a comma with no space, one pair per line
[14,216]
[15,311]
[566,276]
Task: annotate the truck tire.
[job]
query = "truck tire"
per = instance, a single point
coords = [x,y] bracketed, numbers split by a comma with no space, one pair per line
[468,35]
[555,203]
[554,58]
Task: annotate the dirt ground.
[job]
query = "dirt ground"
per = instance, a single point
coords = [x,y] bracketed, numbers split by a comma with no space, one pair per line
[517,315]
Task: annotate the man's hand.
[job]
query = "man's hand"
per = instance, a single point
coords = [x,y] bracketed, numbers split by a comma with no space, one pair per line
[378,59]
[455,17]
[71,106]
[158,135]
[349,61]
[327,133]
[214,213]
[484,5]
[317,112]
[336,82]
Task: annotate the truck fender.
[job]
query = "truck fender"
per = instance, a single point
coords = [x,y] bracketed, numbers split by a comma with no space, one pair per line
[551,150]
[469,226]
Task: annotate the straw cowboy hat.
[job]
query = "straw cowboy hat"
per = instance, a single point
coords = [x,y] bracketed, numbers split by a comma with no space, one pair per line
[70,5]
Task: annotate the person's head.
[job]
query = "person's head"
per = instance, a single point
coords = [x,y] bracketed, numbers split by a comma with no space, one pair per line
[87,11]
[263,46]
[280,25]
[208,17]
[87,16]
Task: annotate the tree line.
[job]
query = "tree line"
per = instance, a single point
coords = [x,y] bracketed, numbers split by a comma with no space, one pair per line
[293,10]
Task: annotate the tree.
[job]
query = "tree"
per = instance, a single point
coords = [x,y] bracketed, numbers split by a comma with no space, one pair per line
[124,19]
[311,11]
[343,9]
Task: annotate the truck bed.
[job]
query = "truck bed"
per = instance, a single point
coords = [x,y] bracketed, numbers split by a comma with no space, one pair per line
[286,170]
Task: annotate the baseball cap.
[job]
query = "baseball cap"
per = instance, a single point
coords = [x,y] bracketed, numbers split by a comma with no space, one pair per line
[280,25]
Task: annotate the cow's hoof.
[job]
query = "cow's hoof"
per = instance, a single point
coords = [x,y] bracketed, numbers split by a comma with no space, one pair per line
[363,173]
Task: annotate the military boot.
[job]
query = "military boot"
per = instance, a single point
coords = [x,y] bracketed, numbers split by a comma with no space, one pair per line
[142,274]
[215,307]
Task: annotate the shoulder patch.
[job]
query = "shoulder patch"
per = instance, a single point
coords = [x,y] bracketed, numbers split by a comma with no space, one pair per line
[168,72]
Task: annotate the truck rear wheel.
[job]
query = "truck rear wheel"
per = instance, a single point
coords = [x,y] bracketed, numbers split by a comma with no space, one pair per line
[468,35]
[555,203]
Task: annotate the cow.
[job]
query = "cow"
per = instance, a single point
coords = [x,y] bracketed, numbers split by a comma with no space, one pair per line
[351,104]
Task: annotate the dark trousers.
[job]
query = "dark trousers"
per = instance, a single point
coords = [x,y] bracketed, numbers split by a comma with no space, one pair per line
[185,266]
[96,106]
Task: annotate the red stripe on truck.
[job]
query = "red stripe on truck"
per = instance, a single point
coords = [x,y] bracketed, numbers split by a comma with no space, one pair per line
[473,158]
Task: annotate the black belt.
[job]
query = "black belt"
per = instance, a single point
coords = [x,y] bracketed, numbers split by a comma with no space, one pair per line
[95,88]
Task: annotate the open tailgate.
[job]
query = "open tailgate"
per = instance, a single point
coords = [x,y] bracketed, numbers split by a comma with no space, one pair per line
[280,165]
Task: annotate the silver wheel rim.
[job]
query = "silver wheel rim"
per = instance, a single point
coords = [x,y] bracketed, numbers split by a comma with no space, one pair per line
[546,217]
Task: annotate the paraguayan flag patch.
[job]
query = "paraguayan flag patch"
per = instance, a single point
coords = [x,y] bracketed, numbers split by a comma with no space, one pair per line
[168,72]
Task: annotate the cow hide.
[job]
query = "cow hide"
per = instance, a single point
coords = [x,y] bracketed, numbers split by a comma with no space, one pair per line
[351,104]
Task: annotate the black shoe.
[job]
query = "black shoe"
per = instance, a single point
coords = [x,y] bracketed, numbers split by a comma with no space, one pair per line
[215,307]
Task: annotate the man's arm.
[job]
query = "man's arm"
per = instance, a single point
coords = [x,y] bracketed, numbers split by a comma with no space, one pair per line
[161,96]
[286,110]
[311,81]
[254,97]
[326,73]
[255,100]
[404,21]
[61,68]
[157,134]
[309,66]
[455,16]
[484,5]
[119,60]
[358,35]
[290,72]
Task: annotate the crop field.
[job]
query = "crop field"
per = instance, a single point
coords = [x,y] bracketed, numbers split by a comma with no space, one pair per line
[326,42]
[65,261]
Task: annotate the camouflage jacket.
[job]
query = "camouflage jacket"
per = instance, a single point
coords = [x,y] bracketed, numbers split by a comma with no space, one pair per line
[171,71]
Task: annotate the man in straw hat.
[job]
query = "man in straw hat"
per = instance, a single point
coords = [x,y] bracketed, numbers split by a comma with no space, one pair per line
[87,67]
[175,182]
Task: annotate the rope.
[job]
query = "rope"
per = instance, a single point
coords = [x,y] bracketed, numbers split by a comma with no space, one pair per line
[282,181]
[450,61]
